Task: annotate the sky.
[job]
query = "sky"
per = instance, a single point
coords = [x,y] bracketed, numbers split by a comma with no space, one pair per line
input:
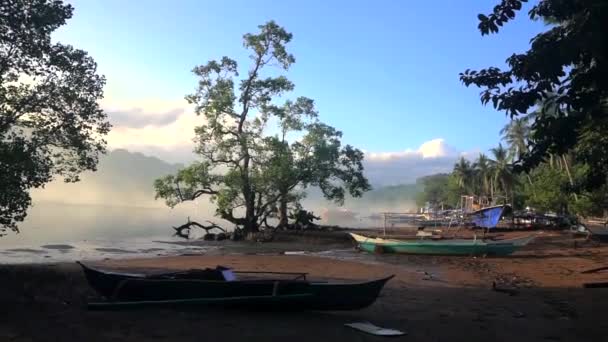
[383,72]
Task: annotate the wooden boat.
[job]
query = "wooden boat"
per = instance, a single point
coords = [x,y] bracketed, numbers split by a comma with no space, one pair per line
[441,247]
[598,234]
[487,217]
[190,288]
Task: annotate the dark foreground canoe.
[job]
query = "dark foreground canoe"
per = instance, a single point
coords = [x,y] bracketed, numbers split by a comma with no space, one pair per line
[190,288]
[278,302]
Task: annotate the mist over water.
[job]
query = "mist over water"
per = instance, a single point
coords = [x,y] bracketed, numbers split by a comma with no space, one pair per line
[113,212]
[63,223]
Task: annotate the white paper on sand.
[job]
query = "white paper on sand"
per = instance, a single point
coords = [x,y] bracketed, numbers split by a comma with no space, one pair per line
[374,330]
[229,275]
[294,252]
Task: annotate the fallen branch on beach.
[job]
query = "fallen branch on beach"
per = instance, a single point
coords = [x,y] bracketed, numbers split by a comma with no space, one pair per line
[183,231]
[595,270]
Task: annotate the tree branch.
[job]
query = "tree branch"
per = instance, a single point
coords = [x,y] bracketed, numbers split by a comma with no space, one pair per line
[179,231]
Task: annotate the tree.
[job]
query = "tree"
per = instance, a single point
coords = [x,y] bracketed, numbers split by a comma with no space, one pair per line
[517,135]
[434,190]
[318,159]
[245,170]
[567,67]
[50,122]
[503,173]
[484,174]
[464,173]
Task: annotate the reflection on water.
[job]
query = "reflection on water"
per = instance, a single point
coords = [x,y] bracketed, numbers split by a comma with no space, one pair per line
[62,232]
[52,223]
[54,232]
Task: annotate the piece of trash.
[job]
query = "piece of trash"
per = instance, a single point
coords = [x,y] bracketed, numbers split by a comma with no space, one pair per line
[294,252]
[428,276]
[369,328]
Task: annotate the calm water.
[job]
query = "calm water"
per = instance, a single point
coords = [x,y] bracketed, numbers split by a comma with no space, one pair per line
[60,232]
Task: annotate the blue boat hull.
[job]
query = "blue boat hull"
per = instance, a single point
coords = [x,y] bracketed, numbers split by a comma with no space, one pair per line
[487,217]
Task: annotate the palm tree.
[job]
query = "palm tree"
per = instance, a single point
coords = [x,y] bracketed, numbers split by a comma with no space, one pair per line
[503,171]
[464,174]
[517,134]
[483,171]
[549,108]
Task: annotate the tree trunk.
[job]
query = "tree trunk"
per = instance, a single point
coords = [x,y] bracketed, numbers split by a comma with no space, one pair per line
[569,175]
[250,218]
[283,220]
[531,185]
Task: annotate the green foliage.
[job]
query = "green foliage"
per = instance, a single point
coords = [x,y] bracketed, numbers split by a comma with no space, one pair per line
[439,189]
[50,121]
[394,194]
[249,173]
[565,69]
[463,173]
[484,177]
[504,178]
[550,188]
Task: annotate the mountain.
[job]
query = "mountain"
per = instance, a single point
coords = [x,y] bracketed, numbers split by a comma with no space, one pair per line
[126,178]
[395,193]
[122,178]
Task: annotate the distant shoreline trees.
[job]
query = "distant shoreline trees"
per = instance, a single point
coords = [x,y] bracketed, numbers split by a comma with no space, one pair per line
[554,185]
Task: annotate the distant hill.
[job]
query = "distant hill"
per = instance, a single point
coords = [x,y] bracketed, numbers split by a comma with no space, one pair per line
[126,179]
[394,193]
[122,178]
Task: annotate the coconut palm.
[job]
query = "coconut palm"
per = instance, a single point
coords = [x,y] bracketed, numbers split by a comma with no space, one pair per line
[483,171]
[502,169]
[464,174]
[561,162]
[516,134]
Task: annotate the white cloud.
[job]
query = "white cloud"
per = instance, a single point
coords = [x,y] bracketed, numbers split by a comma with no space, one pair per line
[160,128]
[169,136]
[137,118]
[391,168]
[431,149]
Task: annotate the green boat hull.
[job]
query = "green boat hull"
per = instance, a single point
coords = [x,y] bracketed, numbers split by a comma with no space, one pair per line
[439,248]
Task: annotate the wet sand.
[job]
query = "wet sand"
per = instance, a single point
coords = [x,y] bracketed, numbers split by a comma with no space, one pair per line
[432,298]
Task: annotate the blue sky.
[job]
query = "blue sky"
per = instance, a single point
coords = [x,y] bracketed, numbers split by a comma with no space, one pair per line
[383,72]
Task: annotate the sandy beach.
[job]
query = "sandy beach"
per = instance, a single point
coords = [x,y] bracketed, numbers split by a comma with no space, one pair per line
[431,298]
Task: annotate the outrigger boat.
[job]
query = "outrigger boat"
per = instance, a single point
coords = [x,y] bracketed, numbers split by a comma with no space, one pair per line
[220,287]
[441,247]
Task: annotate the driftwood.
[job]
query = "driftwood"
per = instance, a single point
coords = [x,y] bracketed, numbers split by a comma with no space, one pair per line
[594,270]
[184,230]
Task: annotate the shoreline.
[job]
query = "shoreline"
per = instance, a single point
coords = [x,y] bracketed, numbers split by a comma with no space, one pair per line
[431,298]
